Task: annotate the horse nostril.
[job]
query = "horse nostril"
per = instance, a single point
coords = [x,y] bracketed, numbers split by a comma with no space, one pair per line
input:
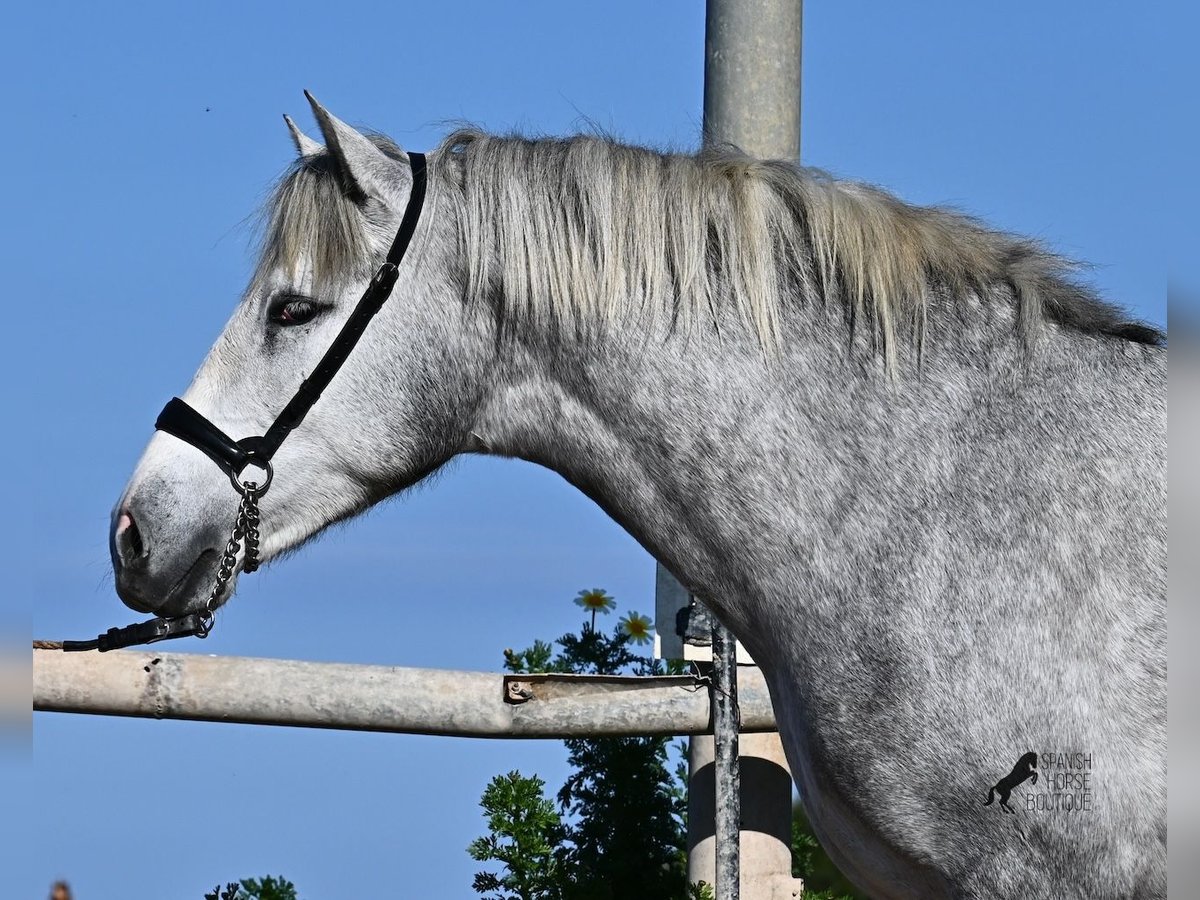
[130,544]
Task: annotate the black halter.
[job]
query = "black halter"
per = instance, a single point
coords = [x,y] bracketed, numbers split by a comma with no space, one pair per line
[180,420]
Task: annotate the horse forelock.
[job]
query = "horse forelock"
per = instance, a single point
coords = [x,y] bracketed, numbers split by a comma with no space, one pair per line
[588,228]
[311,218]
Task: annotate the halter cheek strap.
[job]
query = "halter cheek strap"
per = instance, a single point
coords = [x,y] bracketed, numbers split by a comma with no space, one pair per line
[185,423]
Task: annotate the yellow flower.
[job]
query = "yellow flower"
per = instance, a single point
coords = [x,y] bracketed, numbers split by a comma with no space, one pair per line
[595,600]
[637,627]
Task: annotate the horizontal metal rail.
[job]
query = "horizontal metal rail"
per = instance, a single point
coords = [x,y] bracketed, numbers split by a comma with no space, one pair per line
[144,684]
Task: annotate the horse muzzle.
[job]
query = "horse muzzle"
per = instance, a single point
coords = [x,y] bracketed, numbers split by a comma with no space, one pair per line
[158,568]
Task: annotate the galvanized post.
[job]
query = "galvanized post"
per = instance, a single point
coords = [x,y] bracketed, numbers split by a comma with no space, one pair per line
[752,75]
[752,100]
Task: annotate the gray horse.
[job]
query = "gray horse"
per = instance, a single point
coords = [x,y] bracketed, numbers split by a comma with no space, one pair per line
[917,469]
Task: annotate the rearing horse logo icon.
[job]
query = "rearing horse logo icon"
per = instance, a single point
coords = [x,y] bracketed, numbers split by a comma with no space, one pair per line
[1026,768]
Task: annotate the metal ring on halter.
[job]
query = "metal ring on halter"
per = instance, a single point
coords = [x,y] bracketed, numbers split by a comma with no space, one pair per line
[207,621]
[253,487]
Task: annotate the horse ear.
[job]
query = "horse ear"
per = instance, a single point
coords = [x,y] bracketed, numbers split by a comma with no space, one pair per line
[305,145]
[366,170]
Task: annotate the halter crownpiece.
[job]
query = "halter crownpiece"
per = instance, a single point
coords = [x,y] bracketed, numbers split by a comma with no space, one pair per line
[235,456]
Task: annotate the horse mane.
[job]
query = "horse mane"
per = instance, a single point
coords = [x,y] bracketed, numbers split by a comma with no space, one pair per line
[585,227]
[600,225]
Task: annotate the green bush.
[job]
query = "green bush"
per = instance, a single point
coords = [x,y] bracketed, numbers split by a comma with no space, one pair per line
[269,888]
[526,837]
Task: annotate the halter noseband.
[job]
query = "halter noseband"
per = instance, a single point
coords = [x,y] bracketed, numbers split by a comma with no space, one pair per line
[185,423]
[180,420]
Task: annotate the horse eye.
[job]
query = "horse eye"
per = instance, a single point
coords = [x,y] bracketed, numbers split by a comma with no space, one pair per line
[291,310]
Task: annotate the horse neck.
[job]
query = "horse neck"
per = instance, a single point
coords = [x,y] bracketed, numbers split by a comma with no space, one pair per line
[807,475]
[726,467]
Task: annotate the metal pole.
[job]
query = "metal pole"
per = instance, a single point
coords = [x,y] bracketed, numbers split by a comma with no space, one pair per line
[752,75]
[726,725]
[145,684]
[752,100]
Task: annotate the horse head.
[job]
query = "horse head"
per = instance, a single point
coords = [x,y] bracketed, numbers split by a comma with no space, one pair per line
[398,408]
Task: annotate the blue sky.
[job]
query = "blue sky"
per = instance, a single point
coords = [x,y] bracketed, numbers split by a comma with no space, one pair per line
[140,139]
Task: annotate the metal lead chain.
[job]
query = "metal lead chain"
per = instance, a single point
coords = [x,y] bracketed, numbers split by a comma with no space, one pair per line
[245,528]
[248,522]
